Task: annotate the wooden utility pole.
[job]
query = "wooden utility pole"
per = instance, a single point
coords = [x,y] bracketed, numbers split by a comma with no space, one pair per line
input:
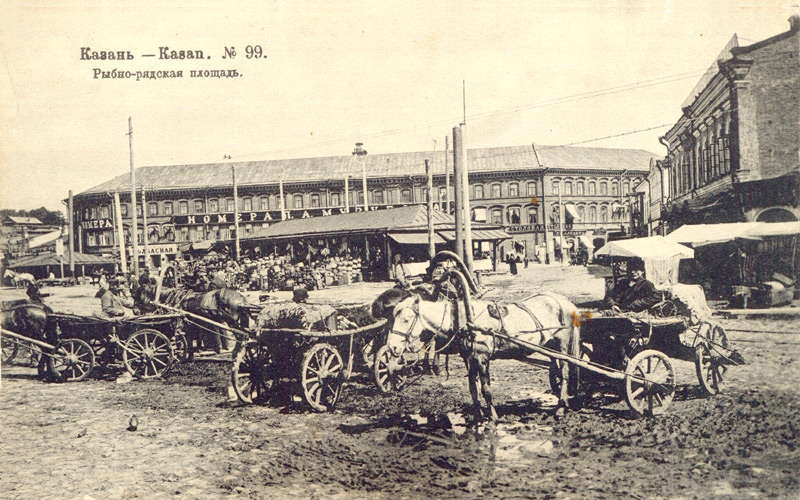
[446,175]
[144,229]
[236,211]
[457,193]
[347,192]
[364,185]
[71,215]
[134,223]
[283,199]
[467,216]
[431,244]
[123,262]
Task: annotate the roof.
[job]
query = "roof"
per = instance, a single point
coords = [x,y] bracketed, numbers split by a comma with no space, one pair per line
[18,219]
[653,247]
[377,165]
[51,259]
[44,239]
[711,72]
[408,218]
[708,234]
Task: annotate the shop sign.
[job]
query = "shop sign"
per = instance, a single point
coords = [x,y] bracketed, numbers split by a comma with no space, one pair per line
[537,228]
[155,249]
[267,216]
[97,224]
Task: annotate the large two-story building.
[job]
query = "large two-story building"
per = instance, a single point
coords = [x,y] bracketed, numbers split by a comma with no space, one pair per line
[734,154]
[518,187]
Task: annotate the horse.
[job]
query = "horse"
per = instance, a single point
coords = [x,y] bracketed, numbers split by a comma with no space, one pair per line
[543,319]
[224,305]
[19,279]
[28,319]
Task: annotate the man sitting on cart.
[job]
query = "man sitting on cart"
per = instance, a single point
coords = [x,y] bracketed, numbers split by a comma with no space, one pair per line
[637,294]
[112,301]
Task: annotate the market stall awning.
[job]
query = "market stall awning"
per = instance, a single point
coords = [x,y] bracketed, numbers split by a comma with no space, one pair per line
[478,235]
[415,238]
[51,259]
[653,247]
[709,234]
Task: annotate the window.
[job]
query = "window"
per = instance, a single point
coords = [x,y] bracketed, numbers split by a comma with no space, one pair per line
[138,210]
[497,216]
[424,194]
[229,207]
[152,208]
[390,196]
[91,239]
[615,188]
[298,201]
[213,206]
[582,213]
[496,191]
[93,212]
[568,188]
[604,188]
[247,204]
[592,189]
[533,215]
[405,195]
[479,192]
[532,189]
[626,187]
[104,212]
[555,187]
[105,238]
[167,208]
[123,208]
[593,213]
[603,214]
[183,207]
[314,200]
[513,190]
[479,214]
[198,206]
[264,203]
[356,197]
[193,234]
[335,200]
[579,188]
[513,215]
[377,196]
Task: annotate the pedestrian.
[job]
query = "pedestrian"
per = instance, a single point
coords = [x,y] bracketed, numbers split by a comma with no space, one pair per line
[512,263]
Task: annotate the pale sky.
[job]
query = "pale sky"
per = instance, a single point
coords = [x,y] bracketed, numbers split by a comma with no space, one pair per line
[385,73]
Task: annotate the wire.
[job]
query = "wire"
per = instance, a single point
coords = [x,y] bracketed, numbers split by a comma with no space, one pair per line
[630,132]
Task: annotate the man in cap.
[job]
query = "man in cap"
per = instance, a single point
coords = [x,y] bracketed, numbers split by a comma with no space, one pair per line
[112,301]
[300,295]
[636,295]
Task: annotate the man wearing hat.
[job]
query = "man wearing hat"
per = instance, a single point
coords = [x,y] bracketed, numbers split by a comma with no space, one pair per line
[637,294]
[300,295]
[112,302]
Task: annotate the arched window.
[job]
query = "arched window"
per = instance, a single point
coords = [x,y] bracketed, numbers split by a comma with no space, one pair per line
[615,188]
[167,208]
[336,199]
[496,191]
[152,209]
[603,188]
[247,204]
[513,190]
[497,216]
[213,206]
[604,214]
[199,206]
[513,215]
[229,205]
[568,188]
[298,201]
[555,187]
[478,192]
[377,196]
[592,188]
[579,188]
[533,190]
[405,196]
[183,207]
[582,213]
[626,187]
[442,193]
[533,215]
[264,203]
[593,213]
[314,200]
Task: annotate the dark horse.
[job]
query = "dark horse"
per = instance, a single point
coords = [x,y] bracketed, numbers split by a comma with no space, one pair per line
[224,305]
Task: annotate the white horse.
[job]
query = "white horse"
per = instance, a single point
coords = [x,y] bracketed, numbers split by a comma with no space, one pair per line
[546,318]
[19,279]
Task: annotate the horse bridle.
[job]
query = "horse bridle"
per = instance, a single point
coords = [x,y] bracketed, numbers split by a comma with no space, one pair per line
[407,334]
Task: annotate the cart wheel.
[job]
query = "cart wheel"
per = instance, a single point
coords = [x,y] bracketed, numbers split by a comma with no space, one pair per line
[707,362]
[10,349]
[649,383]
[72,361]
[147,353]
[321,379]
[180,346]
[254,374]
[388,371]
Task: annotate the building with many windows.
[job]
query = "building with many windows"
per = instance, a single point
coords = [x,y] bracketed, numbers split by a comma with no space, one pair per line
[519,187]
[734,154]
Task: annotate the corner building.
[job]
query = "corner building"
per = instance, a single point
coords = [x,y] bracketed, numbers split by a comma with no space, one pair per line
[517,187]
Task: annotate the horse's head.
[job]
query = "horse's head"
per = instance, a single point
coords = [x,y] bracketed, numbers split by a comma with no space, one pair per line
[406,327]
[9,273]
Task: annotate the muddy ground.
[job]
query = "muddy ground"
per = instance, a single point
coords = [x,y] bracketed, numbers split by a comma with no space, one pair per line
[71,440]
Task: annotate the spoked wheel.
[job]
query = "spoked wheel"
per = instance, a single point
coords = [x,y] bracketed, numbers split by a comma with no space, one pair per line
[321,376]
[708,363]
[10,349]
[254,375]
[649,383]
[147,354]
[72,360]
[389,371]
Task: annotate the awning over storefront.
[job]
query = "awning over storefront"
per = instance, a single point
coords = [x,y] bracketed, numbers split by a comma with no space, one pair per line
[51,259]
[415,238]
[479,235]
[709,234]
[653,247]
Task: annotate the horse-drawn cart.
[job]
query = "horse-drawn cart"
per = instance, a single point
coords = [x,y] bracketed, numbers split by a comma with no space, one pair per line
[316,363]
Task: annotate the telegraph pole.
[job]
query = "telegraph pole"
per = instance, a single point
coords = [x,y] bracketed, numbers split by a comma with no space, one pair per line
[431,244]
[134,222]
[446,176]
[467,216]
[123,262]
[236,211]
[71,216]
[457,194]
[144,229]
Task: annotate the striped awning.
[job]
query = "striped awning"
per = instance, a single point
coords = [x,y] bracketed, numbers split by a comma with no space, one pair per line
[479,235]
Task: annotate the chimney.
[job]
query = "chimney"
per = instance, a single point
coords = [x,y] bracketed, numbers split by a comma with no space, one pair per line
[794,23]
[359,149]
